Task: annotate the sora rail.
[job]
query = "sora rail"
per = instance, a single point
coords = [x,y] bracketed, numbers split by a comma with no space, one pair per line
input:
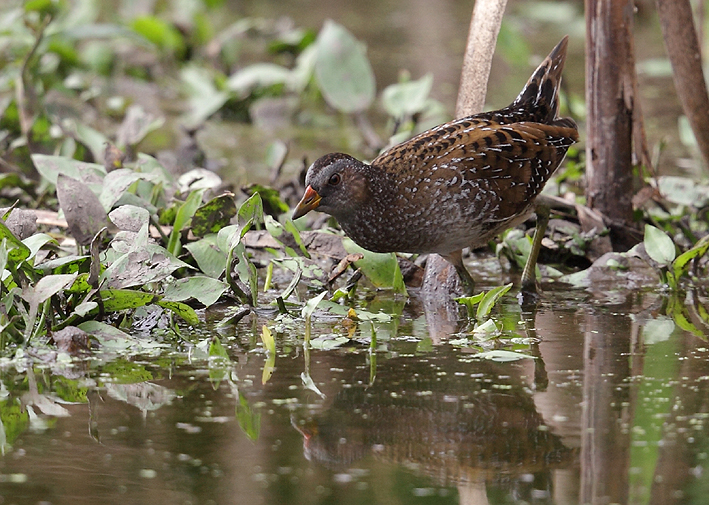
[456,185]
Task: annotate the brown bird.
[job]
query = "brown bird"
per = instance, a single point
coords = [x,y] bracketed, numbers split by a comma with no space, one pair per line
[456,185]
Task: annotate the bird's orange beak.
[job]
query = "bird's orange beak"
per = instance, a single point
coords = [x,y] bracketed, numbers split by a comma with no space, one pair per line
[310,201]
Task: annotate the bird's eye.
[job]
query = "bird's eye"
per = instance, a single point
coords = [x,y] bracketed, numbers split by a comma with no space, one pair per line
[334,180]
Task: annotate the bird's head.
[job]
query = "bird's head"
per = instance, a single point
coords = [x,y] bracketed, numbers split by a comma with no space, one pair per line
[335,184]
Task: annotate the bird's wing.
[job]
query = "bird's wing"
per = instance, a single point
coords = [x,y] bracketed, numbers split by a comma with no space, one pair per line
[509,163]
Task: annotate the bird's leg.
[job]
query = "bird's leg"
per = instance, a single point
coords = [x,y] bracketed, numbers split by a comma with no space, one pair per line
[529,277]
[456,259]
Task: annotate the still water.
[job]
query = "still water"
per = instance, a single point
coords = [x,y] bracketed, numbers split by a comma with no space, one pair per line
[610,407]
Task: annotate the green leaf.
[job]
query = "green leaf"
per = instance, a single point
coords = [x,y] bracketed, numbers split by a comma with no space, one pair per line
[210,259]
[160,33]
[115,300]
[270,197]
[204,98]
[213,215]
[46,287]
[258,75]
[184,214]
[246,270]
[311,305]
[251,210]
[382,269]
[470,302]
[117,182]
[50,167]
[680,266]
[405,99]
[659,246]
[183,310]
[342,70]
[36,242]
[203,289]
[108,337]
[489,301]
[17,251]
[277,231]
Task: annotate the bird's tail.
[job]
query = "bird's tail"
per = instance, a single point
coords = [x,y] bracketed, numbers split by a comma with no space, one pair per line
[540,96]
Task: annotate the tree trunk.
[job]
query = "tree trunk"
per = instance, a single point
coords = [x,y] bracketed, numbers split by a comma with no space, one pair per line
[609,99]
[682,46]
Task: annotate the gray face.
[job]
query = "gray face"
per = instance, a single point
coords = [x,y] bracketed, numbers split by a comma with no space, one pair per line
[340,181]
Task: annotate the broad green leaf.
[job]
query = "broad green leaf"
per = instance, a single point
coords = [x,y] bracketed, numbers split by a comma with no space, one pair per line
[209,257]
[213,215]
[382,269]
[183,310]
[50,167]
[36,242]
[160,33]
[489,300]
[680,265]
[117,182]
[251,210]
[46,287]
[470,302]
[122,299]
[342,70]
[217,350]
[270,197]
[204,289]
[129,217]
[682,190]
[17,251]
[136,124]
[405,99]
[278,232]
[258,75]
[659,246]
[91,138]
[204,97]
[198,178]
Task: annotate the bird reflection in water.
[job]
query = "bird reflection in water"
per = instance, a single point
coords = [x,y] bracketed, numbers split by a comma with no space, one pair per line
[458,421]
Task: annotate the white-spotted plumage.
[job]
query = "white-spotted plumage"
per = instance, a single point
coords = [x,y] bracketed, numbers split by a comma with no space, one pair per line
[456,185]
